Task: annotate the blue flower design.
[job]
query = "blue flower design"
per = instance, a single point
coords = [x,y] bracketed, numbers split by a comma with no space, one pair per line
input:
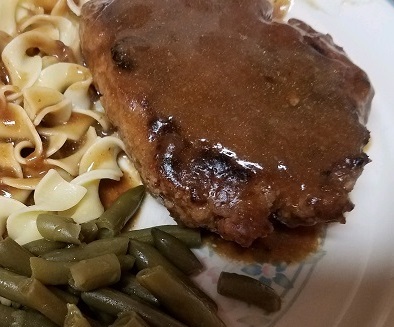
[269,274]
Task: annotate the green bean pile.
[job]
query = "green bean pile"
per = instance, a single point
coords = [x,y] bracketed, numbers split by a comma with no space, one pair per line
[94,275]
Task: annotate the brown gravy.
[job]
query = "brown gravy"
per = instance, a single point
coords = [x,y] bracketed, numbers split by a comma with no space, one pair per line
[110,189]
[283,245]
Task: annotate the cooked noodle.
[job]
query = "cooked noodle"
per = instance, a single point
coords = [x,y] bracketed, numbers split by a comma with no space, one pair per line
[53,152]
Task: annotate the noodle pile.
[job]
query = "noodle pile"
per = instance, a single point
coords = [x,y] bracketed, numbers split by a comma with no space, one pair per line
[55,141]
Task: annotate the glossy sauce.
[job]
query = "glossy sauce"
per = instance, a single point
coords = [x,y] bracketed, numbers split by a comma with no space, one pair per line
[272,111]
[232,117]
[282,245]
[54,48]
[110,190]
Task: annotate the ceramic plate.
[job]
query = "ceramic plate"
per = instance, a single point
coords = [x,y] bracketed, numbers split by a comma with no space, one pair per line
[348,282]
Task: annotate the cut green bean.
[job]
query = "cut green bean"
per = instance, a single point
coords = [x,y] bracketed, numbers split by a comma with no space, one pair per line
[129,319]
[50,272]
[104,319]
[146,256]
[89,231]
[59,229]
[32,293]
[191,237]
[112,221]
[126,262]
[75,318]
[73,291]
[64,295]
[178,298]
[176,252]
[129,285]
[93,273]
[42,246]
[249,290]
[116,245]
[114,302]
[14,257]
[11,317]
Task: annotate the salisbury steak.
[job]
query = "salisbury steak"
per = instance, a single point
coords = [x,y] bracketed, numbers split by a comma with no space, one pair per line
[232,119]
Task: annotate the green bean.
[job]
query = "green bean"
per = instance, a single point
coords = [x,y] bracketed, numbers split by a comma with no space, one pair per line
[50,272]
[32,293]
[126,262]
[191,237]
[93,273]
[114,302]
[111,222]
[116,245]
[42,246]
[105,319]
[57,228]
[249,290]
[73,291]
[146,256]
[64,295]
[89,231]
[178,298]
[176,252]
[14,257]
[129,285]
[11,317]
[129,319]
[75,318]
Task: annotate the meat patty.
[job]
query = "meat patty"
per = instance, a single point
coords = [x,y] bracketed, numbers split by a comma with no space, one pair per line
[232,119]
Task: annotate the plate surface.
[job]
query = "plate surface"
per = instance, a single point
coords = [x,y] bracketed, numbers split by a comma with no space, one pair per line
[350,280]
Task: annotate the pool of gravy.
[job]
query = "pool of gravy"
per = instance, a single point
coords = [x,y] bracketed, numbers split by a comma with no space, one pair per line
[285,244]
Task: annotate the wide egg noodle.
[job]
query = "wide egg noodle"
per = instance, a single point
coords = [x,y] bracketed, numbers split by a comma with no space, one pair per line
[52,194]
[99,162]
[16,126]
[46,104]
[71,163]
[76,7]
[8,206]
[67,32]
[63,194]
[90,207]
[47,117]
[28,184]
[54,143]
[71,79]
[78,199]
[26,9]
[9,166]
[10,93]
[7,16]
[23,69]
[102,155]
[74,129]
[48,31]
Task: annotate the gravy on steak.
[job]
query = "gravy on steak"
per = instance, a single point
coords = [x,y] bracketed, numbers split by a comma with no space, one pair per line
[232,119]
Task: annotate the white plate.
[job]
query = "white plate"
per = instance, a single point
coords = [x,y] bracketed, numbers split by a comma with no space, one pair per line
[350,281]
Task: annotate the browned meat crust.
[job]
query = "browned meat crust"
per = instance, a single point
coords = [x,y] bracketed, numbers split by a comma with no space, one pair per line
[232,120]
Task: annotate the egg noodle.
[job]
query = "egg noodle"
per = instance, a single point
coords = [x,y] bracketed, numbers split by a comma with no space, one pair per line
[55,142]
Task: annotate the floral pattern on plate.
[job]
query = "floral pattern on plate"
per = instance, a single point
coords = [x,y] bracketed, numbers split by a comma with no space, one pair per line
[288,280]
